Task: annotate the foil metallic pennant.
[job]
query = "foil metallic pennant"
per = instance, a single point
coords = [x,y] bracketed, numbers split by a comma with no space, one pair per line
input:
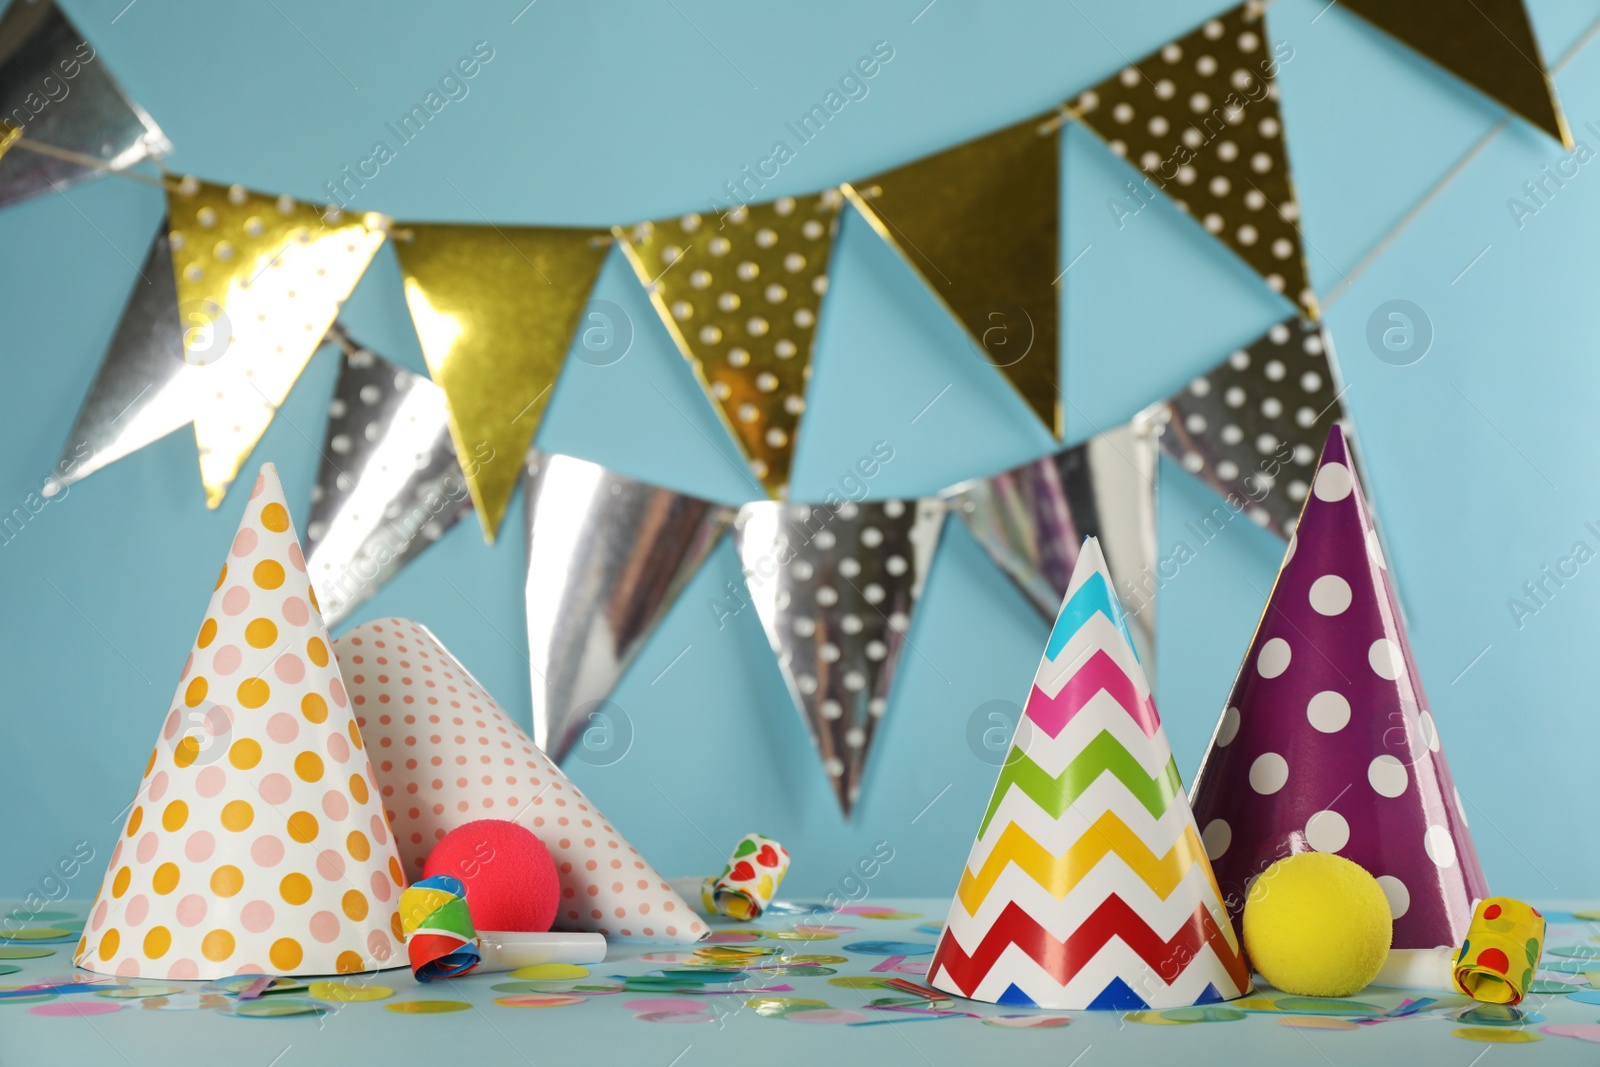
[260,279]
[607,558]
[836,588]
[741,294]
[57,91]
[1088,884]
[1200,118]
[389,484]
[495,308]
[1327,741]
[1250,427]
[1032,519]
[980,223]
[144,388]
[1489,44]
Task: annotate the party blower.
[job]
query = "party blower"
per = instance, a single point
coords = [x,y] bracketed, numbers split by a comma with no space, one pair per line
[442,943]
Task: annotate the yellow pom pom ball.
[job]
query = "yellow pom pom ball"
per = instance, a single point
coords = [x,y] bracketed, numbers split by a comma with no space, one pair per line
[1317,925]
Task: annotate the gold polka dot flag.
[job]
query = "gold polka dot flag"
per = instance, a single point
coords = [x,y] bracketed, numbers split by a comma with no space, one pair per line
[256,842]
[260,279]
[446,754]
[741,293]
[980,223]
[495,308]
[1199,116]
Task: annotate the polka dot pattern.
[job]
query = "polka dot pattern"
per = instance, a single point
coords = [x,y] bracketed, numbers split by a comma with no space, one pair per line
[262,278]
[1326,741]
[845,596]
[384,418]
[1200,118]
[446,754]
[224,868]
[741,293]
[1250,427]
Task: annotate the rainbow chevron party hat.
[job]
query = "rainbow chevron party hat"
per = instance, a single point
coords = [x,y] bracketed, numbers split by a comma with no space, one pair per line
[1088,886]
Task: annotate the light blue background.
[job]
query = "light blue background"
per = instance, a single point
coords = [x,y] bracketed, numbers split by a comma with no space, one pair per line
[1481,456]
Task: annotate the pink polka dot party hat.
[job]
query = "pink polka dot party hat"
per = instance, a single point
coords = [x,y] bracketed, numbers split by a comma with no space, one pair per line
[1328,743]
[256,842]
[446,754]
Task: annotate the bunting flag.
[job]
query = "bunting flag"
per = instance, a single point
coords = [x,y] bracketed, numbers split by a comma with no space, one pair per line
[389,484]
[607,558]
[1490,46]
[1031,520]
[144,389]
[740,294]
[1088,885]
[1327,742]
[260,279]
[9,135]
[1200,118]
[1250,426]
[835,589]
[55,90]
[980,223]
[495,309]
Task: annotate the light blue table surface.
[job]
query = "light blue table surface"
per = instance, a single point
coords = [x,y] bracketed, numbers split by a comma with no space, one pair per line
[735,1030]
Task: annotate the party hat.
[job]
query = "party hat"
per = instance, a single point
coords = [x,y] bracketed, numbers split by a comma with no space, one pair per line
[256,842]
[1327,743]
[1087,886]
[446,754]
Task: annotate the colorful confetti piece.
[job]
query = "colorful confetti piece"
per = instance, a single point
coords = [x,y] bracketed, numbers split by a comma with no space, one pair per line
[773,1007]
[676,1017]
[1028,1022]
[1326,1006]
[75,1008]
[538,1000]
[275,1008]
[834,1016]
[1207,1013]
[348,992]
[890,948]
[427,1007]
[24,952]
[1589,1032]
[1317,1022]
[1490,1035]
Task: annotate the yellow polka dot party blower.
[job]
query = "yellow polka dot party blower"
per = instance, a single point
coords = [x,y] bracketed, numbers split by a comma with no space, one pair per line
[1495,964]
[441,941]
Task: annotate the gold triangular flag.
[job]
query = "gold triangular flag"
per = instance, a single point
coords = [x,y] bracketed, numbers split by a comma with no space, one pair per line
[980,223]
[9,135]
[1490,47]
[260,279]
[1199,117]
[740,294]
[495,309]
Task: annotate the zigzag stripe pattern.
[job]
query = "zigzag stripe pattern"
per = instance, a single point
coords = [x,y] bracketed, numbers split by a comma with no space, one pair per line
[1166,958]
[1093,596]
[1088,886]
[1100,675]
[1059,875]
[1103,755]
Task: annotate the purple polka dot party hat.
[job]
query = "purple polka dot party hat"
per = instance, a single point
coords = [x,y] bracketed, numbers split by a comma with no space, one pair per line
[256,843]
[1328,743]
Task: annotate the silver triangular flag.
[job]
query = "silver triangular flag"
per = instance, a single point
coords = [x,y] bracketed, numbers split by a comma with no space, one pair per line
[835,588]
[607,557]
[57,90]
[1032,521]
[1252,426]
[389,484]
[141,392]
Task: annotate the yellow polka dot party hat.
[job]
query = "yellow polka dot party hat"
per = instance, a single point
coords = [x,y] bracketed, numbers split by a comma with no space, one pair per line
[256,842]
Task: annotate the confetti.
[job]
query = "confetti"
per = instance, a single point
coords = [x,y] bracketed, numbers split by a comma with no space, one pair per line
[427,1007]
[546,972]
[825,1015]
[275,1008]
[538,1000]
[75,1008]
[1028,1022]
[890,948]
[1491,1036]
[348,992]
